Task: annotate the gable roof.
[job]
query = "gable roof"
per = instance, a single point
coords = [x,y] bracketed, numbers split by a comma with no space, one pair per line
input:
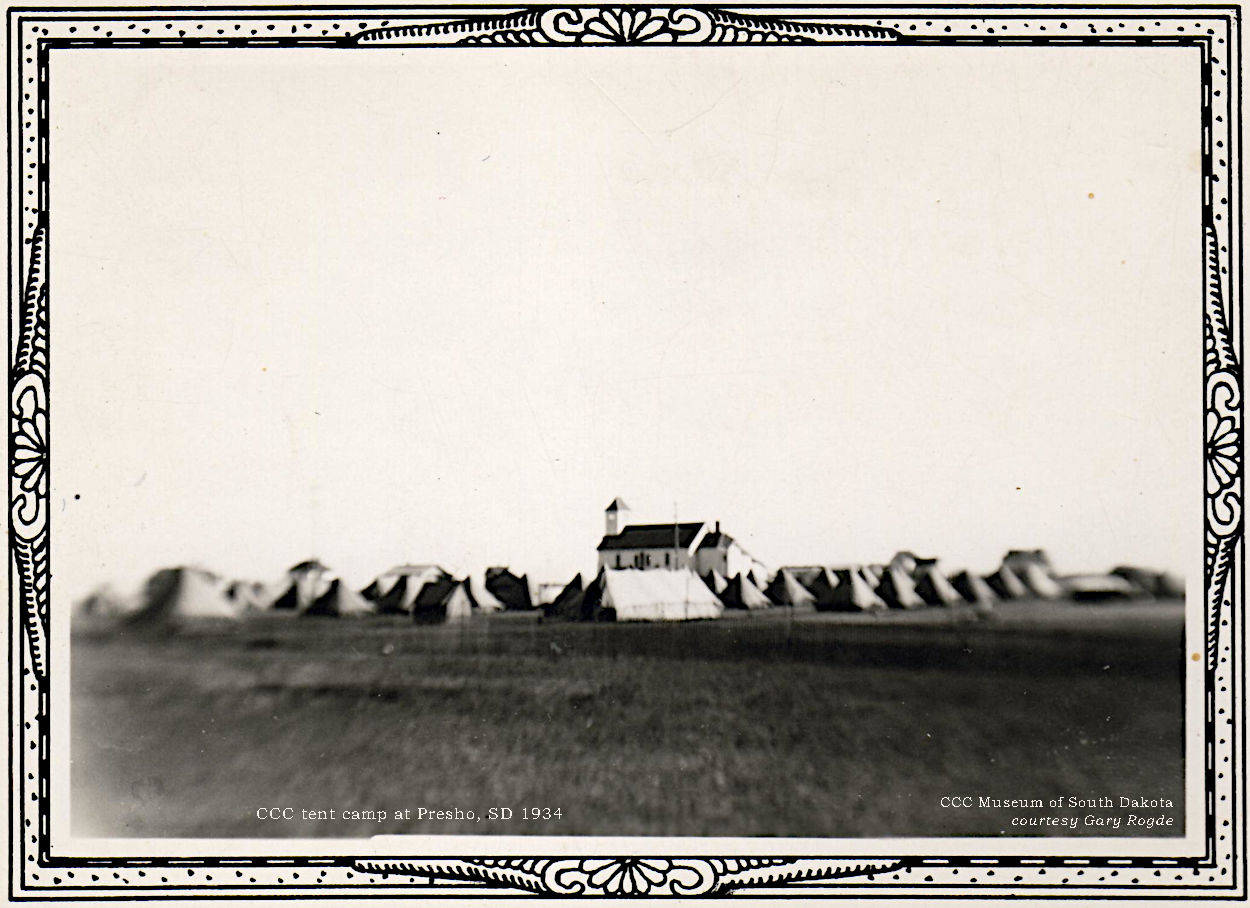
[652,536]
[715,538]
[617,504]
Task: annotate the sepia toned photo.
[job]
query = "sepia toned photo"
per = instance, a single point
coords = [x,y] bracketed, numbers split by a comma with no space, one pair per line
[625,451]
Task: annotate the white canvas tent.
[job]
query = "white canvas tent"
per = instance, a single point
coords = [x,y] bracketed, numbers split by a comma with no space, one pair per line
[973,588]
[898,589]
[658,595]
[339,600]
[1006,584]
[741,593]
[853,592]
[1040,583]
[174,595]
[933,587]
[786,590]
[716,581]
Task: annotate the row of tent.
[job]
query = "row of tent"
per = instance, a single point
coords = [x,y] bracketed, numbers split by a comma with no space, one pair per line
[907,582]
[429,594]
[426,593]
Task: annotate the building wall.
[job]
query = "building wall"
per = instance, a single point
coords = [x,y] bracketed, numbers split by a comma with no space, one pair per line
[645,558]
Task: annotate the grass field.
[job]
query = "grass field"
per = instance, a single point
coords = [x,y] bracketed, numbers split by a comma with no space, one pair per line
[820,725]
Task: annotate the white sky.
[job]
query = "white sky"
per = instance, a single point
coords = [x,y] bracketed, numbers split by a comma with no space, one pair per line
[380,306]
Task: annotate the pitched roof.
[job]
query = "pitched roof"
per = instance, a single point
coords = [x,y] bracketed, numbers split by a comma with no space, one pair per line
[617,504]
[715,538]
[652,536]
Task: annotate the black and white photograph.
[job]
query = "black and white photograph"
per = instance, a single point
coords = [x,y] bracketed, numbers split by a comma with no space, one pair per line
[625,451]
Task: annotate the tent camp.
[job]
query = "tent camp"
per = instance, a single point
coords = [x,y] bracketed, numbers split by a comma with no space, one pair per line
[759,577]
[339,600]
[897,588]
[853,592]
[443,601]
[656,595]
[1040,583]
[933,587]
[973,588]
[741,593]
[513,591]
[873,573]
[176,595]
[1006,585]
[567,606]
[786,590]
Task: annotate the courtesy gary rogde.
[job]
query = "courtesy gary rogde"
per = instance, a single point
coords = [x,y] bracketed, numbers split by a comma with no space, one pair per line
[1111,813]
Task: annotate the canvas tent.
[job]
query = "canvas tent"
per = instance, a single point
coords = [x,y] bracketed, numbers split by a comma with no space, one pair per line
[715,581]
[853,592]
[508,588]
[247,595]
[174,595]
[873,573]
[786,590]
[741,593]
[567,606]
[339,600]
[823,587]
[483,598]
[974,589]
[1098,587]
[897,588]
[656,595]
[1006,585]
[1040,583]
[933,587]
[443,601]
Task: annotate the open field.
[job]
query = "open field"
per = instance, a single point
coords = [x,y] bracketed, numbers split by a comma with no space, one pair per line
[816,725]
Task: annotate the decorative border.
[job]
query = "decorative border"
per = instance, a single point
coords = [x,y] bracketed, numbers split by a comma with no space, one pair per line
[37,874]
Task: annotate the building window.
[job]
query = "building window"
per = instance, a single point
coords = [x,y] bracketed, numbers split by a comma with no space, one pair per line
[666,562]
[618,559]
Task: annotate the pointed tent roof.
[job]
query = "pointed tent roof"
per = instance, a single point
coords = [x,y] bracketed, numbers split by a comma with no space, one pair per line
[823,587]
[173,595]
[508,588]
[741,593]
[1039,582]
[339,600]
[311,564]
[715,581]
[853,592]
[567,606]
[897,588]
[1006,584]
[974,589]
[443,600]
[785,589]
[933,587]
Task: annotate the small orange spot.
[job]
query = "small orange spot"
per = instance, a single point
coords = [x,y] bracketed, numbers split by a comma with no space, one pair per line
[1091,195]
[264,368]
[1195,657]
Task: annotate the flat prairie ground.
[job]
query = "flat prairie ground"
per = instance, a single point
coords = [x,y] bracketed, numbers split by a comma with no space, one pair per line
[807,725]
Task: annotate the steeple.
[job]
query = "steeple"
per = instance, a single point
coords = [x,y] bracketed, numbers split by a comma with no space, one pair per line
[615,517]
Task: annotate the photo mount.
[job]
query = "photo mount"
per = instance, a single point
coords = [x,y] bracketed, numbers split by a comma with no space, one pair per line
[39,874]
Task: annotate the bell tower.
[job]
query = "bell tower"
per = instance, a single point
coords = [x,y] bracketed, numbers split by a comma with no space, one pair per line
[615,517]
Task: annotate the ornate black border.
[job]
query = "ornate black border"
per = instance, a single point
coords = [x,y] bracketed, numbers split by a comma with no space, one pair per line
[38,874]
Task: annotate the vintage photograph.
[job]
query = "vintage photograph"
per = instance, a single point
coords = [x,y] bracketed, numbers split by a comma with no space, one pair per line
[519,424]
